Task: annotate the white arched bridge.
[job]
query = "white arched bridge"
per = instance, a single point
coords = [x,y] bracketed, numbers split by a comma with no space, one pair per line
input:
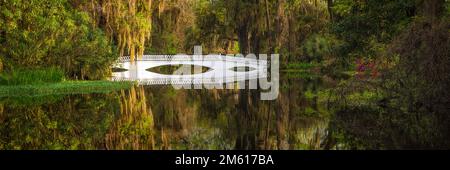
[221,69]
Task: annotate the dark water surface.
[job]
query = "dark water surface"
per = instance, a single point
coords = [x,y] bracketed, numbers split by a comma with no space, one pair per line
[160,117]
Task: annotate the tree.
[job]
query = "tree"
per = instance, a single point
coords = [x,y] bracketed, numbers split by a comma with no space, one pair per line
[365,25]
[39,33]
[129,22]
[410,110]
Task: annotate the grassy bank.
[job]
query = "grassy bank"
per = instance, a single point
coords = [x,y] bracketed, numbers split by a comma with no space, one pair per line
[51,81]
[65,87]
[295,67]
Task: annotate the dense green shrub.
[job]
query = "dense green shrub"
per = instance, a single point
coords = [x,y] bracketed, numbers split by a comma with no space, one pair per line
[44,33]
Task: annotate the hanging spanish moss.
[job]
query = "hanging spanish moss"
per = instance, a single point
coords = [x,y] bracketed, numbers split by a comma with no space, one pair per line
[129,22]
[161,7]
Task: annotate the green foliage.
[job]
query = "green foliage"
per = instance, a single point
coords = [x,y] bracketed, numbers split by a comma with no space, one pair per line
[207,138]
[301,66]
[363,25]
[51,33]
[85,53]
[409,107]
[31,76]
[308,30]
[212,30]
[42,42]
[166,43]
[67,87]
[21,101]
[57,125]
[318,47]
[447,7]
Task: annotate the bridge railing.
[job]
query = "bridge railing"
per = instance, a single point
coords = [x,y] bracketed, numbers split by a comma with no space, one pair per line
[192,80]
[193,58]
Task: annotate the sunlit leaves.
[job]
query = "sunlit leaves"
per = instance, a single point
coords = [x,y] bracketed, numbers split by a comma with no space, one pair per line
[38,33]
[129,22]
[343,7]
[29,35]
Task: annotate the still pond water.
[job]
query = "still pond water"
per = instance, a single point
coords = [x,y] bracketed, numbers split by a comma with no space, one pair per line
[160,117]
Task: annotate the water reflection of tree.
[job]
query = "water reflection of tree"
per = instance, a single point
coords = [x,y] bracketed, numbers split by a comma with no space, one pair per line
[76,122]
[237,119]
[164,118]
[134,129]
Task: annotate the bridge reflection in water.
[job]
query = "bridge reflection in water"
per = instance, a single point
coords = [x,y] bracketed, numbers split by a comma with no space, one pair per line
[222,69]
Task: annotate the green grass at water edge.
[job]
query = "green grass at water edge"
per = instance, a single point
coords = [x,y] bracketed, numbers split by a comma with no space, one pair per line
[32,76]
[301,66]
[66,87]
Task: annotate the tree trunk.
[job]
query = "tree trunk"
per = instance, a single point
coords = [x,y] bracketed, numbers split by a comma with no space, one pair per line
[330,9]
[432,9]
